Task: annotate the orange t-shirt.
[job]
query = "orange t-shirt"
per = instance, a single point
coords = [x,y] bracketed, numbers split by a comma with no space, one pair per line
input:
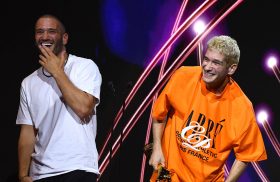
[203,128]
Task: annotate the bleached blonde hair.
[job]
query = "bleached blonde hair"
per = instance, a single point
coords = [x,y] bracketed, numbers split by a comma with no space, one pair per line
[226,46]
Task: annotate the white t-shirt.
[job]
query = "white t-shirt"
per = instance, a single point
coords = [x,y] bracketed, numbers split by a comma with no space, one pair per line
[63,143]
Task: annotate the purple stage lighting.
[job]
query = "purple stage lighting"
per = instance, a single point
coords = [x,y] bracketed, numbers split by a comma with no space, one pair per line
[262,117]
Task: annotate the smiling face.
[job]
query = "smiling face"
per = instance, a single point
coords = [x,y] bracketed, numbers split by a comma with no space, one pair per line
[216,71]
[50,32]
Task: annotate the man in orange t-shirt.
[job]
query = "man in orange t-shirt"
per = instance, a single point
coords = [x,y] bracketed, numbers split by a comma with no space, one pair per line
[201,116]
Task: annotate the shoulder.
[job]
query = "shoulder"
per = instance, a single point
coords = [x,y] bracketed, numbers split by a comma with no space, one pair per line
[80,60]
[81,63]
[187,73]
[239,94]
[184,77]
[31,76]
[241,103]
[189,70]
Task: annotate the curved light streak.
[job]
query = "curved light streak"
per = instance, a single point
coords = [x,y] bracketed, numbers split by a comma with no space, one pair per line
[154,61]
[180,59]
[276,72]
[160,84]
[175,27]
[226,170]
[272,64]
[269,132]
[260,172]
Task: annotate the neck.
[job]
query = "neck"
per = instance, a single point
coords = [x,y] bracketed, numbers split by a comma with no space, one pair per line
[219,88]
[66,58]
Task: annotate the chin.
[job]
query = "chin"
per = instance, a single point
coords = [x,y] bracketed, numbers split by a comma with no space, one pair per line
[207,80]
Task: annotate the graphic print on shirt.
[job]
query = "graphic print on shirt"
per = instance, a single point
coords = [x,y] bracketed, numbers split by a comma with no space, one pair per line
[198,136]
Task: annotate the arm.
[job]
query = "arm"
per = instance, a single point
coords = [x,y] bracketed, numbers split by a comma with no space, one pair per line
[157,156]
[79,101]
[25,149]
[236,170]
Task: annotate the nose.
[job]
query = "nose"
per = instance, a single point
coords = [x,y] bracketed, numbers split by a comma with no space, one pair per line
[207,65]
[45,35]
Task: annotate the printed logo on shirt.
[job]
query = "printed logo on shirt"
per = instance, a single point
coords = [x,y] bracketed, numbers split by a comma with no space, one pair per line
[198,137]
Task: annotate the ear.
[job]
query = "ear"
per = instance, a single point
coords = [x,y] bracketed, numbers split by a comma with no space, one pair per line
[65,38]
[232,69]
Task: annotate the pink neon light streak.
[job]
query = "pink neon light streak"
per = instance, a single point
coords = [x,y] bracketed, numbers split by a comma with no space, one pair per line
[260,172]
[269,132]
[276,72]
[154,61]
[181,58]
[226,170]
[177,21]
[199,53]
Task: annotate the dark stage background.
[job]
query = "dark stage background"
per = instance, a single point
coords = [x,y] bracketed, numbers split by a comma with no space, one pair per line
[122,37]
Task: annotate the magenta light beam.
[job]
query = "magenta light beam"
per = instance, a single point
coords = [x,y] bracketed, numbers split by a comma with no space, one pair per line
[181,58]
[271,137]
[272,64]
[260,172]
[199,27]
[154,61]
[226,170]
[276,72]
[177,21]
[262,118]
[199,53]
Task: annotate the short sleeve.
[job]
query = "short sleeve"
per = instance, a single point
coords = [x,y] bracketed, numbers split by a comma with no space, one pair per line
[162,104]
[89,79]
[23,116]
[250,145]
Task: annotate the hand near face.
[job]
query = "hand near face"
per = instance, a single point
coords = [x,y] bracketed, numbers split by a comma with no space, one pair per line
[51,62]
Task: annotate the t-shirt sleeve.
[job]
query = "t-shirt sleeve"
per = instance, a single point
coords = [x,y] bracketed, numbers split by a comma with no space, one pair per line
[162,104]
[250,146]
[23,116]
[89,79]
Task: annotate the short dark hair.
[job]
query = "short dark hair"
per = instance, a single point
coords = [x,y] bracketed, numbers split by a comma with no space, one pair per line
[61,25]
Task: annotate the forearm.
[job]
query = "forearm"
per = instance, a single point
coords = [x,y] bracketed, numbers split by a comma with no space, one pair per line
[157,156]
[236,170]
[158,129]
[24,161]
[79,101]
[25,149]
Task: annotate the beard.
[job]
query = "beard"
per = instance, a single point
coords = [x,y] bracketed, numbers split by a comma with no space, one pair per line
[56,47]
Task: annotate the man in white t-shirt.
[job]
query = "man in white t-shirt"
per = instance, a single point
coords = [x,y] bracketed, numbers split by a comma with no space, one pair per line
[57,112]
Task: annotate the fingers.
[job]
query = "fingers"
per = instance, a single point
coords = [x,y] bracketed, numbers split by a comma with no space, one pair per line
[151,163]
[48,55]
[44,54]
[156,164]
[42,58]
[46,51]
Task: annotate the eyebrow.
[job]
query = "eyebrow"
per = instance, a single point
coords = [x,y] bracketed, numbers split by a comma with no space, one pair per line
[217,60]
[46,29]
